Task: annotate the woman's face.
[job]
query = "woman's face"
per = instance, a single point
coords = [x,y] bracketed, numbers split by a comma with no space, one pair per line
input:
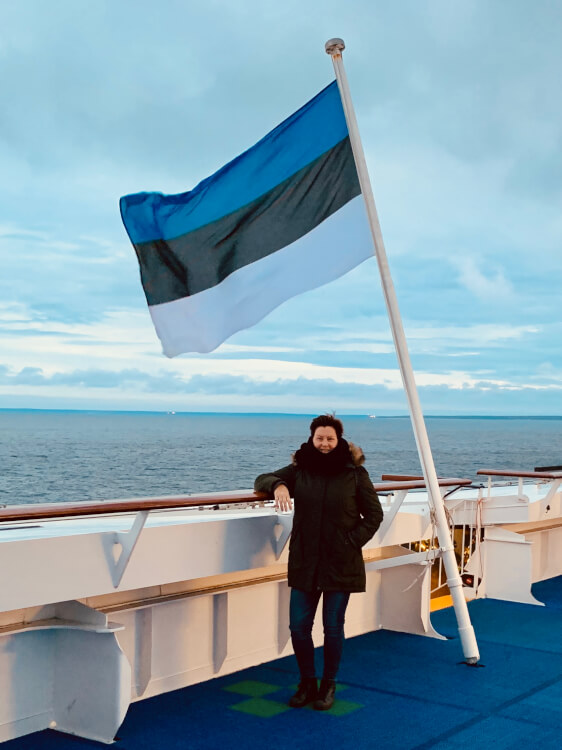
[324,439]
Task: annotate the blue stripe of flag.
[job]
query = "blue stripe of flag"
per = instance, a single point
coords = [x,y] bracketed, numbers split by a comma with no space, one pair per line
[300,139]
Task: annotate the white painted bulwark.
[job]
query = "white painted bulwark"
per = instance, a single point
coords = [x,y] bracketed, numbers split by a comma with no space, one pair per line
[203,593]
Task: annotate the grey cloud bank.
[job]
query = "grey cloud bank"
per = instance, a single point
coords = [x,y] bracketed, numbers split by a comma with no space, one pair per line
[134,389]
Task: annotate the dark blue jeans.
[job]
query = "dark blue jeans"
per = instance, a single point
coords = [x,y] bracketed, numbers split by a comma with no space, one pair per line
[301,619]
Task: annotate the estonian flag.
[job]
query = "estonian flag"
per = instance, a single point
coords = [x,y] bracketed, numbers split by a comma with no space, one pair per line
[284,217]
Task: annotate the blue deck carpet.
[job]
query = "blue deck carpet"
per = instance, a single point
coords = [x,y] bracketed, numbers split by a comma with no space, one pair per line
[397,692]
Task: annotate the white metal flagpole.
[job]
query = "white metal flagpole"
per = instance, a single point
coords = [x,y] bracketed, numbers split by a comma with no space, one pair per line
[334,48]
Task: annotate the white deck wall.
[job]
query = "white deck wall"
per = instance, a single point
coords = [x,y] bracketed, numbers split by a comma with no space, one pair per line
[203,595]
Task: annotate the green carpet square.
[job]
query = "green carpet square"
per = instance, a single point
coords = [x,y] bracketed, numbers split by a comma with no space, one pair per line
[340,708]
[253,688]
[261,707]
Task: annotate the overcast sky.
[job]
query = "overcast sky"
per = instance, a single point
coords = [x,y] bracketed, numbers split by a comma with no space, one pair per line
[460,112]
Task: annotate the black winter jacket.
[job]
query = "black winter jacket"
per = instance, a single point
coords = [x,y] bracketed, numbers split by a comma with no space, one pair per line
[335,515]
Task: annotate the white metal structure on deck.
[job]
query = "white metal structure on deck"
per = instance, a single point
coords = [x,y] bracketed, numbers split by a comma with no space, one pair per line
[195,587]
[136,598]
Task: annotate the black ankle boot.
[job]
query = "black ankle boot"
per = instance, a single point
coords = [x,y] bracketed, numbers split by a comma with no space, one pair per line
[326,695]
[307,692]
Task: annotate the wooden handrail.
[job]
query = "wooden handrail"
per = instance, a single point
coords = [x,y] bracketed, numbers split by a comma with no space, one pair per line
[400,477]
[418,484]
[521,474]
[103,507]
[530,527]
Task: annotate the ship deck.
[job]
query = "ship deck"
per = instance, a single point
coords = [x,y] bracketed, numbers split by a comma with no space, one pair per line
[397,691]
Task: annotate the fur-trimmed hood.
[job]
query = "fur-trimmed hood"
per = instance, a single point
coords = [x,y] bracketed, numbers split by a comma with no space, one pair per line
[355,451]
[357,455]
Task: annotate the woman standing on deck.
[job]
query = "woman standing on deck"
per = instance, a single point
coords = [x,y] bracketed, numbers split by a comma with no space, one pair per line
[336,512]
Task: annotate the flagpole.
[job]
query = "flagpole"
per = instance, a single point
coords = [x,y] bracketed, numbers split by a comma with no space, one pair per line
[335,47]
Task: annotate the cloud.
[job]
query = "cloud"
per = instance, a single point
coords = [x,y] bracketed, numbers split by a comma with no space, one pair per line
[130,389]
[277,381]
[486,334]
[492,288]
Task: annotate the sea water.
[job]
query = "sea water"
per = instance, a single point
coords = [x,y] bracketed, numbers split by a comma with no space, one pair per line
[58,456]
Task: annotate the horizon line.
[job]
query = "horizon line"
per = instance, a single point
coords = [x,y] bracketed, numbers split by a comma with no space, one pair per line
[277,413]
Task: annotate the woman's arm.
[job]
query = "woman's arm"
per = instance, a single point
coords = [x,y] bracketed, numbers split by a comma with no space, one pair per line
[279,484]
[369,507]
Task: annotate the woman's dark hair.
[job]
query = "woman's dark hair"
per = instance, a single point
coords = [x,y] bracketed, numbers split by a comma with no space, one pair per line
[327,420]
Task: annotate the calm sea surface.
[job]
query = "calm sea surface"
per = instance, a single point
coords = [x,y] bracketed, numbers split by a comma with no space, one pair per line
[70,456]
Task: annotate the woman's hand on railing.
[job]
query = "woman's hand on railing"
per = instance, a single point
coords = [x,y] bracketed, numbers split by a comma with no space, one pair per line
[282,498]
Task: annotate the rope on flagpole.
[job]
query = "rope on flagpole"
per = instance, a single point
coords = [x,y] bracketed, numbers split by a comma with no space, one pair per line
[335,47]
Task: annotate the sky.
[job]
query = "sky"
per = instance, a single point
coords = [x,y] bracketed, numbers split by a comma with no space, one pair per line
[460,113]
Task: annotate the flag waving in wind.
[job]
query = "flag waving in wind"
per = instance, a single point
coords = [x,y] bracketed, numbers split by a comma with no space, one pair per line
[284,217]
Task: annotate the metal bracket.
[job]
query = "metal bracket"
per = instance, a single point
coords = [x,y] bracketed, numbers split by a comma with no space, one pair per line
[127,540]
[547,499]
[282,532]
[411,558]
[390,514]
[500,534]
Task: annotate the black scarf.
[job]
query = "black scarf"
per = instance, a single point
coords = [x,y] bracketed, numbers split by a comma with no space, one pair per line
[311,459]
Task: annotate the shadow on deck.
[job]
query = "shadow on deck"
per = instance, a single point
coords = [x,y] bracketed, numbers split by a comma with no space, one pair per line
[397,691]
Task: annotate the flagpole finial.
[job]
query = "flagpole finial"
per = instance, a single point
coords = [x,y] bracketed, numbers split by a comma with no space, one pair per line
[334,46]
